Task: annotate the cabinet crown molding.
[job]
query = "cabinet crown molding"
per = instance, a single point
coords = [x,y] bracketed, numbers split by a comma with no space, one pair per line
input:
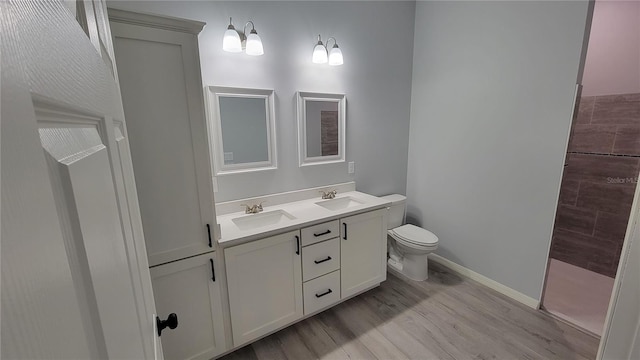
[157,21]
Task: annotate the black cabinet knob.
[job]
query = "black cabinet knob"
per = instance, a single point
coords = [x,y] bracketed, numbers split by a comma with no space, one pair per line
[171,323]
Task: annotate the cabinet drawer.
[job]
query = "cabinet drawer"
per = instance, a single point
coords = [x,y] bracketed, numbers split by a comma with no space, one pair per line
[320,232]
[321,292]
[321,258]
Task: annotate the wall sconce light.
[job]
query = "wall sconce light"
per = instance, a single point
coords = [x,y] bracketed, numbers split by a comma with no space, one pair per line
[236,41]
[320,53]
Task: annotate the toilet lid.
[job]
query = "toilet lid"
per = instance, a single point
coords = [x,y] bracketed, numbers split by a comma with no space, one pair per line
[416,235]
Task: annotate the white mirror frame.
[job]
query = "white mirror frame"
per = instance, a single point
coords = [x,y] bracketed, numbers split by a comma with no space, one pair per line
[214,124]
[341,99]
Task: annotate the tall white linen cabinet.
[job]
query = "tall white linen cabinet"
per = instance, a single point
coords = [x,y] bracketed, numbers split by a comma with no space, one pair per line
[159,74]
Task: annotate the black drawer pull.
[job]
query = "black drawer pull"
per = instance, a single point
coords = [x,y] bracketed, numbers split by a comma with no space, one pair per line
[322,233]
[297,245]
[323,260]
[324,293]
[345,231]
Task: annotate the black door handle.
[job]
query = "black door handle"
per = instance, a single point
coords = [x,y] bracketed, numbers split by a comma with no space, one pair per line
[324,293]
[171,323]
[323,260]
[209,232]
[213,271]
[297,245]
[345,231]
[322,233]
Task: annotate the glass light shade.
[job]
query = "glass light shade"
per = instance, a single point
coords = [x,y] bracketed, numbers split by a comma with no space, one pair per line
[319,54]
[254,44]
[231,41]
[335,56]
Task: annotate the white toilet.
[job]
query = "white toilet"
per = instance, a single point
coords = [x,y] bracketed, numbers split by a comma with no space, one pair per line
[408,245]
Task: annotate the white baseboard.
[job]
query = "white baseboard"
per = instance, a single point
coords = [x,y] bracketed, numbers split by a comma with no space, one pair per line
[505,290]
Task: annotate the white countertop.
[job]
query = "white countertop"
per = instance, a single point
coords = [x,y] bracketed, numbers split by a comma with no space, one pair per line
[306,213]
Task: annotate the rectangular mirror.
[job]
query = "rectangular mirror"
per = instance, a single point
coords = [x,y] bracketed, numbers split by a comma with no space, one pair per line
[241,129]
[321,128]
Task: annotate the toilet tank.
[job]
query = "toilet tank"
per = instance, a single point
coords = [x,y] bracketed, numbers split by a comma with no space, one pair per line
[397,209]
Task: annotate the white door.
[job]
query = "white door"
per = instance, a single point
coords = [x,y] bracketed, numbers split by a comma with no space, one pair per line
[264,278]
[75,279]
[191,288]
[621,336]
[161,88]
[363,251]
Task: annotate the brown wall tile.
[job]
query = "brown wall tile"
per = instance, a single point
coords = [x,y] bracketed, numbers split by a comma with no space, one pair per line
[572,247]
[599,168]
[576,219]
[585,251]
[569,191]
[613,198]
[611,226]
[627,141]
[592,138]
[597,190]
[616,109]
[585,109]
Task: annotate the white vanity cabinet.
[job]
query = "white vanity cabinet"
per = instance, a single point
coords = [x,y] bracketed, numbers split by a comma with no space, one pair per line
[264,280]
[330,251]
[190,289]
[363,251]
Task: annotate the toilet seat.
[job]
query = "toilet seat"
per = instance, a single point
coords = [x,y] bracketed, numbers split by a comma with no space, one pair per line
[414,236]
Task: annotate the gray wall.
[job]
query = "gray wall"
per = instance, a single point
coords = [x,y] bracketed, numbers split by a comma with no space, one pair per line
[493,86]
[376,39]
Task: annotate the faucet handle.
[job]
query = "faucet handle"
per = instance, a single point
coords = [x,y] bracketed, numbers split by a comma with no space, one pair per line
[260,204]
[328,195]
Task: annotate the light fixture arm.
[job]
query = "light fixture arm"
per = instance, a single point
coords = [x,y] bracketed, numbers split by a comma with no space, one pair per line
[335,43]
[253,27]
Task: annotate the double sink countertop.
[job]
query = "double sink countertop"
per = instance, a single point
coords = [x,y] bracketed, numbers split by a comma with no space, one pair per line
[238,227]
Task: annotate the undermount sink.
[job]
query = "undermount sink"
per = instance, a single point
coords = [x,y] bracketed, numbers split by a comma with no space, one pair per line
[339,203]
[254,221]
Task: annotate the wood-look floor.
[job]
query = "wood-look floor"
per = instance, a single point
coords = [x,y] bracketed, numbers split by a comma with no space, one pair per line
[445,317]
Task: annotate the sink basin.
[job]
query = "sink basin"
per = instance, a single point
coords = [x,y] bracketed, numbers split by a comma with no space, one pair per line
[339,203]
[254,221]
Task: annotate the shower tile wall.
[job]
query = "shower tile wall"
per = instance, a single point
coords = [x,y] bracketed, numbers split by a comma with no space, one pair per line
[598,184]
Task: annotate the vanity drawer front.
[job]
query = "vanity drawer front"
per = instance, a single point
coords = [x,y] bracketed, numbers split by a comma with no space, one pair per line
[319,259]
[321,292]
[320,232]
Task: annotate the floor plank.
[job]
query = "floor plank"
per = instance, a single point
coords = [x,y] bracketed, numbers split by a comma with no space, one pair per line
[445,317]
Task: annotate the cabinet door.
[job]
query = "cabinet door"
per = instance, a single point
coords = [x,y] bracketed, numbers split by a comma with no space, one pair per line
[159,74]
[363,251]
[187,288]
[265,285]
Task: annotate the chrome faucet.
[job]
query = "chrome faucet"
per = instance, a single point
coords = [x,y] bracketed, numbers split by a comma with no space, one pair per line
[329,195]
[253,209]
